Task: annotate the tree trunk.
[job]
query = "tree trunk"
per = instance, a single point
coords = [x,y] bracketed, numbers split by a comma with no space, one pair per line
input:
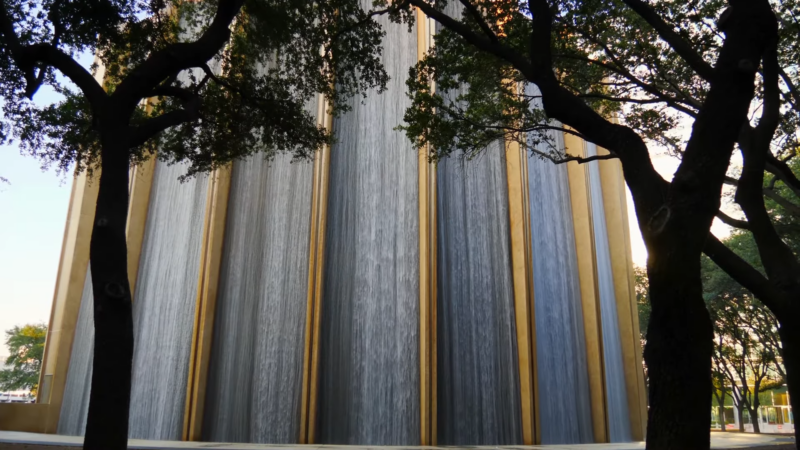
[789,331]
[678,352]
[754,418]
[740,413]
[109,402]
[721,415]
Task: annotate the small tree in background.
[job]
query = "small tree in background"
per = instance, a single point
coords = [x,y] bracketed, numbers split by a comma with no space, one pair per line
[26,345]
[747,351]
[224,79]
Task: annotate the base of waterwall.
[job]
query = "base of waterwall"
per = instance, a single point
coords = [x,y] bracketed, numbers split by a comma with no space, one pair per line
[14,440]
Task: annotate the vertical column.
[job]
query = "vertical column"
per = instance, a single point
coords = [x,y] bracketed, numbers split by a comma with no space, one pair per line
[316,259]
[523,290]
[72,269]
[584,246]
[622,265]
[427,271]
[141,183]
[211,253]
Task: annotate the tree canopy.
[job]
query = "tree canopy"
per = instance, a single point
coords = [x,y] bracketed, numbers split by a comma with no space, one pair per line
[627,75]
[206,106]
[26,344]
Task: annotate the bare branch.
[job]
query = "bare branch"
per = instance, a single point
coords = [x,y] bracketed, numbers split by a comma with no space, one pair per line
[681,47]
[584,160]
[482,43]
[743,273]
[730,221]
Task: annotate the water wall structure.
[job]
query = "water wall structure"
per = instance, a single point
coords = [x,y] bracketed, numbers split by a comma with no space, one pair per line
[368,297]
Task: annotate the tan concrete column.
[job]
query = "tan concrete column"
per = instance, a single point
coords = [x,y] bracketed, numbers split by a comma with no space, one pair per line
[211,255]
[519,226]
[316,260]
[587,272]
[622,264]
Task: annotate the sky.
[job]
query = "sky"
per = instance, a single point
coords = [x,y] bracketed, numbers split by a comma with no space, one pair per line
[33,211]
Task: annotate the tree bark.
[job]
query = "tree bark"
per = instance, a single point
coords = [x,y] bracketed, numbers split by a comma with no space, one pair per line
[789,331]
[109,401]
[754,418]
[678,354]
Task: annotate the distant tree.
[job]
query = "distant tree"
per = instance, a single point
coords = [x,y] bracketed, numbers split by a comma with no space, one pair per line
[200,82]
[625,75]
[26,345]
[747,352]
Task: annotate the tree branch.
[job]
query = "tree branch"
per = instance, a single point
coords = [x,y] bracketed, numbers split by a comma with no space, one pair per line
[743,273]
[681,47]
[153,127]
[790,207]
[177,57]
[476,14]
[778,259]
[782,170]
[730,221]
[584,160]
[495,48]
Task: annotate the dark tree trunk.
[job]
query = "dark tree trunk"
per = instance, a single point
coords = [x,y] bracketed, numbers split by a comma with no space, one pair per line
[789,331]
[109,402]
[678,352]
[754,418]
[721,402]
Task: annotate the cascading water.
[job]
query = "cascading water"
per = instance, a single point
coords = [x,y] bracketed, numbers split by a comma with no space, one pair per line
[369,372]
[564,408]
[478,374]
[619,426]
[75,405]
[163,314]
[164,303]
[255,373]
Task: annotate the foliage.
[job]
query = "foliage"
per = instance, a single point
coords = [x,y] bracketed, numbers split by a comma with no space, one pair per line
[603,52]
[26,345]
[249,96]
[642,287]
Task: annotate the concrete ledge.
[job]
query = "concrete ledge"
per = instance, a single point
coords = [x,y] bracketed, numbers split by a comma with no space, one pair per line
[14,440]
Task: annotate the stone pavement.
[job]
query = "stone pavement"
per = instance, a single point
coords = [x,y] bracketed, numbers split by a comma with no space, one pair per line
[13,440]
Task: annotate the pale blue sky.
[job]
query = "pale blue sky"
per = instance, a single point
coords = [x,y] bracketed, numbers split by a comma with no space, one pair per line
[33,211]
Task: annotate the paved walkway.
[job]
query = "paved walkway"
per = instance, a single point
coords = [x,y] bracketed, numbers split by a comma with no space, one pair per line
[13,440]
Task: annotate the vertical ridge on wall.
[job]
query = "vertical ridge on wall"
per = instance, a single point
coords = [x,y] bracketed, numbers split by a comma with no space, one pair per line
[479,402]
[164,303]
[564,407]
[255,375]
[316,267]
[616,397]
[584,246]
[75,404]
[369,373]
[427,269]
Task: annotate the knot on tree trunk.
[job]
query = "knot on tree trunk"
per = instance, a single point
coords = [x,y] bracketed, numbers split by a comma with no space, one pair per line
[659,220]
[115,290]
